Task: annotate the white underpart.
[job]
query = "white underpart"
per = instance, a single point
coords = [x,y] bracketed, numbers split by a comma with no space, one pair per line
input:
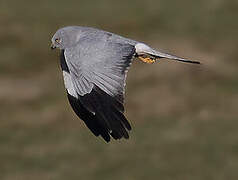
[69,84]
[142,48]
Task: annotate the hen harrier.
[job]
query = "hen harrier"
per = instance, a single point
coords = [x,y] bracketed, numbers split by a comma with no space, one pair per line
[94,64]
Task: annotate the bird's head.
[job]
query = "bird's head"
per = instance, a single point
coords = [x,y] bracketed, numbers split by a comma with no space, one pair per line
[65,37]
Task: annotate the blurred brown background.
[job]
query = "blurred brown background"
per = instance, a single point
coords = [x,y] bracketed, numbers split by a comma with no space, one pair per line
[184,117]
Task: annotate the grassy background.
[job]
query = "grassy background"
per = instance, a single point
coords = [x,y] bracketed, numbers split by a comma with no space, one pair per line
[184,117]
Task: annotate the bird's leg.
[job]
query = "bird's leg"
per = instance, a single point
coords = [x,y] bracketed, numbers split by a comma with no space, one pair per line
[146,58]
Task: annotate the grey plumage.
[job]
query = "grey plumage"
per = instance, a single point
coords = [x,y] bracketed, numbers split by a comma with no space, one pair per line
[95,64]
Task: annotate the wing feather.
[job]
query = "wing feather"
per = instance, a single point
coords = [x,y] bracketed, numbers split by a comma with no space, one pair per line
[98,76]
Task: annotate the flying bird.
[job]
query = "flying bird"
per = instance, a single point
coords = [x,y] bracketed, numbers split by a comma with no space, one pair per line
[95,64]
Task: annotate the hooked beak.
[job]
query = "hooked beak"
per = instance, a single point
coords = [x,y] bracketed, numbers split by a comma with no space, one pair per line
[52,46]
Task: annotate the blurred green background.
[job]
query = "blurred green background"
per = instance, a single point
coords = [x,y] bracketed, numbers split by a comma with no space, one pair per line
[184,117]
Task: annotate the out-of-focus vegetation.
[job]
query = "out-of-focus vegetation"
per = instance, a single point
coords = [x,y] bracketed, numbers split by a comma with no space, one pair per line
[184,117]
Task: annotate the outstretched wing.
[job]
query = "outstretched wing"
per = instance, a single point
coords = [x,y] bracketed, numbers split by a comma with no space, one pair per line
[95,73]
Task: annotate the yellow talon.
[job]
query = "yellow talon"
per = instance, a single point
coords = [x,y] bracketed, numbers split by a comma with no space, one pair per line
[147,59]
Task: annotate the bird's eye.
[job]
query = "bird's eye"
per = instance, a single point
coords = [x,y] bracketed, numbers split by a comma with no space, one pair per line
[57,40]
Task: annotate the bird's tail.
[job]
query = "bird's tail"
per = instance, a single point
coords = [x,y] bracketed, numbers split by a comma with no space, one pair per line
[175,58]
[149,55]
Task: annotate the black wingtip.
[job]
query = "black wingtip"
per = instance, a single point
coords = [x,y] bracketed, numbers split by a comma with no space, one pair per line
[106,137]
[108,120]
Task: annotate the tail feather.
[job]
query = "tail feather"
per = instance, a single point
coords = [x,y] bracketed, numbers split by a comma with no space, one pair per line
[172,57]
[142,48]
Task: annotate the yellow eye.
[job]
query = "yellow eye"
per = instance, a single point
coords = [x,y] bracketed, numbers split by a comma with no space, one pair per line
[57,40]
